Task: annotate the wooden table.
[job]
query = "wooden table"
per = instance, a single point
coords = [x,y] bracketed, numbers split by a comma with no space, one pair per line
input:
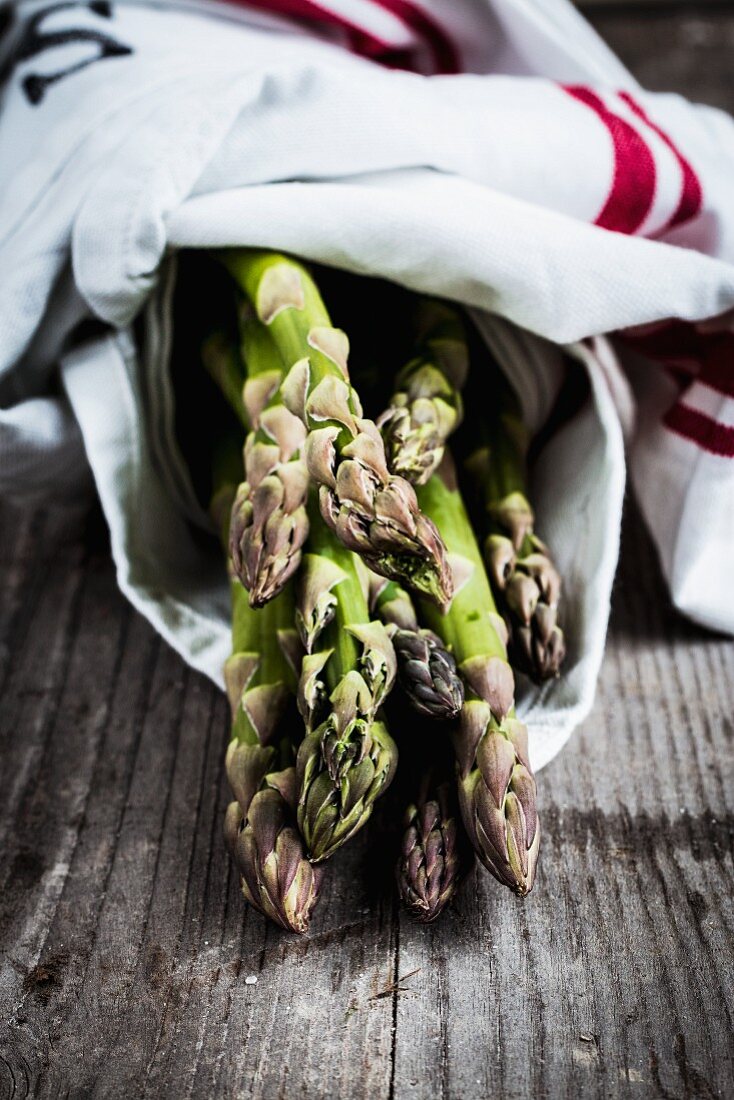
[126,947]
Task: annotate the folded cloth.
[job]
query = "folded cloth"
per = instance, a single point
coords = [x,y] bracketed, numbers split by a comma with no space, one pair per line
[517,169]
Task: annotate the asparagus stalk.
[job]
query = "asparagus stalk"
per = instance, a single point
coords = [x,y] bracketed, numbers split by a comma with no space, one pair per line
[426,670]
[496,786]
[426,406]
[525,580]
[260,823]
[372,512]
[222,360]
[432,860]
[347,759]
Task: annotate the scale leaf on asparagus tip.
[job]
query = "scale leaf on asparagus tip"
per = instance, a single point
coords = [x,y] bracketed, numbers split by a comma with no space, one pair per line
[426,670]
[426,405]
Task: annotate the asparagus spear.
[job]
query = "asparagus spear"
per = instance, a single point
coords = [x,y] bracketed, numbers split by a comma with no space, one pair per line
[347,759]
[522,573]
[260,823]
[496,784]
[426,670]
[372,511]
[426,406]
[432,859]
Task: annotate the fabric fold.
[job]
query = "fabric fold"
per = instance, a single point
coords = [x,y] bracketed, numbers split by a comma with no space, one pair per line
[518,169]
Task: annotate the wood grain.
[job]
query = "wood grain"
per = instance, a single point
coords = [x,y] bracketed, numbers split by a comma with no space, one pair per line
[125,942]
[126,945]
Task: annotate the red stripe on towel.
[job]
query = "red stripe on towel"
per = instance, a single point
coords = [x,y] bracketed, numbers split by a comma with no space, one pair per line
[695,426]
[367,44]
[691,197]
[633,183]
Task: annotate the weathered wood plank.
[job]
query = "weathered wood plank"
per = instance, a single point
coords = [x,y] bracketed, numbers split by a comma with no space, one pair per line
[125,965]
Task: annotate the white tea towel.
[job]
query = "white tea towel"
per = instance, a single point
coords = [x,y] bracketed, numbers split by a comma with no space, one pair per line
[518,169]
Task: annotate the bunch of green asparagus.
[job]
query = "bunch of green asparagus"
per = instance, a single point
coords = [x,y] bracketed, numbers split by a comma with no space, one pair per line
[356,567]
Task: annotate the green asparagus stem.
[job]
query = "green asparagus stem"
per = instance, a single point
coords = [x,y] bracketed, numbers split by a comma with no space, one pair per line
[222,361]
[525,580]
[496,784]
[426,406]
[372,512]
[432,858]
[426,670]
[347,759]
